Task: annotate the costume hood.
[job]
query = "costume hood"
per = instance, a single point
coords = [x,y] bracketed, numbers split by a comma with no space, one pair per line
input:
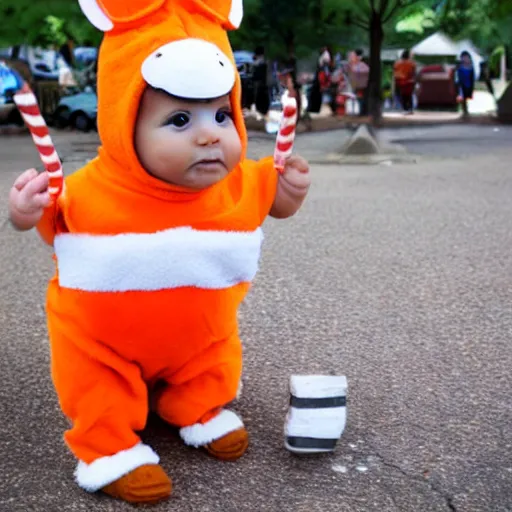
[179,46]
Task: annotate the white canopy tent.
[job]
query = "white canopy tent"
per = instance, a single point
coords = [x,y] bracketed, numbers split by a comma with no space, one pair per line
[440,45]
[437,44]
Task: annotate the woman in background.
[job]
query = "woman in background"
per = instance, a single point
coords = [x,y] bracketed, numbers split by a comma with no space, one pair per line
[322,87]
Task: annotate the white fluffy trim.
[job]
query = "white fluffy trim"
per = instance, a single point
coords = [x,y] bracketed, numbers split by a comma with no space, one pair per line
[106,470]
[167,259]
[201,434]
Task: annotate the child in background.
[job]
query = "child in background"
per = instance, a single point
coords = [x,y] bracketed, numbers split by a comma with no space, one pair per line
[465,80]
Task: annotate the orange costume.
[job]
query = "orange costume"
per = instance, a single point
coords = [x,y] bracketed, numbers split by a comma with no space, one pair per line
[149,277]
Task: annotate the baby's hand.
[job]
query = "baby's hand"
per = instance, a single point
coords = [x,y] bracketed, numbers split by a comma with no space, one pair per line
[28,198]
[296,175]
[293,185]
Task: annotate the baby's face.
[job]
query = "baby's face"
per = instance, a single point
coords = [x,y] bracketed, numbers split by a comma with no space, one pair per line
[193,144]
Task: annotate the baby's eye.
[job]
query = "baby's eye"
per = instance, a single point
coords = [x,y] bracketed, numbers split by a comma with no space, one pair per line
[179,120]
[223,116]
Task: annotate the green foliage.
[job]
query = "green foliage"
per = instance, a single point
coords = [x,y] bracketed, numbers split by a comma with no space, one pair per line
[52,31]
[44,23]
[486,22]
[417,23]
[298,27]
[495,60]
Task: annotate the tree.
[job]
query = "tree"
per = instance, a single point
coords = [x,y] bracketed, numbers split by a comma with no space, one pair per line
[373,16]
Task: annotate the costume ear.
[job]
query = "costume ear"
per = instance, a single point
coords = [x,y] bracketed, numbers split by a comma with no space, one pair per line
[105,14]
[228,12]
[96,15]
[236,13]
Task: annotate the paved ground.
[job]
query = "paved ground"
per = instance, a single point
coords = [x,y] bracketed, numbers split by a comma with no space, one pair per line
[429,143]
[398,277]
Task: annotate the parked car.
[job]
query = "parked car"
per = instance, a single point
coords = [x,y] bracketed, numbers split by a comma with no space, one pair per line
[10,82]
[43,64]
[85,55]
[77,110]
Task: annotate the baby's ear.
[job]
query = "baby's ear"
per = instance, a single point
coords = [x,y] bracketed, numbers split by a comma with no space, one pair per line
[107,14]
[228,12]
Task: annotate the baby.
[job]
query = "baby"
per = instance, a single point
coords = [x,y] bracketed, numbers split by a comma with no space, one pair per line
[156,243]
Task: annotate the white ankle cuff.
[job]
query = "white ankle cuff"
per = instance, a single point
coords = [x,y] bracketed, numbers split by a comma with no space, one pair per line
[202,434]
[105,470]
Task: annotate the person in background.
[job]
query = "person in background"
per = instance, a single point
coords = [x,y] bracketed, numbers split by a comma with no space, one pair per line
[291,81]
[405,78]
[342,89]
[359,73]
[325,70]
[465,80]
[287,80]
[315,92]
[485,76]
[67,51]
[259,78]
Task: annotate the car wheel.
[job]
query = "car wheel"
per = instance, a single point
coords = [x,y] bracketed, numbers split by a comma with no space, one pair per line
[15,118]
[61,118]
[81,122]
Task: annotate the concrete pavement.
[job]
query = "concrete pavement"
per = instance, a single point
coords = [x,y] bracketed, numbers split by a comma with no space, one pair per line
[398,277]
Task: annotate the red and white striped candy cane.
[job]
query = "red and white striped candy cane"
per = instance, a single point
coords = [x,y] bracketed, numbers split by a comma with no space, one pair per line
[286,134]
[27,105]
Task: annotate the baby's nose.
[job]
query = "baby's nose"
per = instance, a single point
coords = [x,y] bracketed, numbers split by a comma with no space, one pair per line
[207,133]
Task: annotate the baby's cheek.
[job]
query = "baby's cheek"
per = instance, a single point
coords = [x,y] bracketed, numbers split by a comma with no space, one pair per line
[234,149]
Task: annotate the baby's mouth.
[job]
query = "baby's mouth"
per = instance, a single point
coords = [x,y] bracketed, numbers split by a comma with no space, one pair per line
[210,164]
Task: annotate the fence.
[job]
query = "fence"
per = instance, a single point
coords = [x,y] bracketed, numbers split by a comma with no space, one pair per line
[48,96]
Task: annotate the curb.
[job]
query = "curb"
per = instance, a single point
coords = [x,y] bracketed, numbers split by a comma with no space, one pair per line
[337,123]
[384,159]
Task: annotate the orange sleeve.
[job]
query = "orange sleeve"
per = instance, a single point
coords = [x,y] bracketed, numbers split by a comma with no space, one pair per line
[47,225]
[265,179]
[51,223]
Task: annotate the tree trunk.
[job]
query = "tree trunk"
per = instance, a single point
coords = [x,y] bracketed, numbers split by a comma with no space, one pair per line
[289,40]
[374,91]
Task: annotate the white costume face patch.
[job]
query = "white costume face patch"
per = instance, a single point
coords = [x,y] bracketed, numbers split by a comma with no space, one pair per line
[190,68]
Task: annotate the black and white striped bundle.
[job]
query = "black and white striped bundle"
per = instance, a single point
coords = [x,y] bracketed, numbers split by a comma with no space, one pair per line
[317,413]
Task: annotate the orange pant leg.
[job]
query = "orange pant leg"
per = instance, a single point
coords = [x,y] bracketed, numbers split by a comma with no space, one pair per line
[106,400]
[203,386]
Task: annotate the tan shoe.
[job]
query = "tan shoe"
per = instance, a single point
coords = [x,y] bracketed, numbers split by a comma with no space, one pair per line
[229,447]
[145,484]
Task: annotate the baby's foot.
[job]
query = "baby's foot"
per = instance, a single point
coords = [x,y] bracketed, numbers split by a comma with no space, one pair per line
[229,447]
[146,484]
